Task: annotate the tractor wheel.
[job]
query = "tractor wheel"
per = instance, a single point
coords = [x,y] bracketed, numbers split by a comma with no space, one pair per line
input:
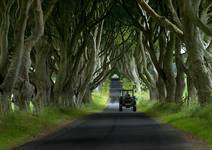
[120,108]
[134,108]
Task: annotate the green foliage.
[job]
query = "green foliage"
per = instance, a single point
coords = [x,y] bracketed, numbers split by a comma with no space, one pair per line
[127,84]
[142,96]
[99,103]
[192,119]
[99,99]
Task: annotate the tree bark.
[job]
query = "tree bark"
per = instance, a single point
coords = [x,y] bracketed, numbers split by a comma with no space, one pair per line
[161,89]
[42,75]
[14,68]
[164,22]
[180,79]
[192,92]
[168,69]
[200,73]
[27,92]
[4,31]
[153,93]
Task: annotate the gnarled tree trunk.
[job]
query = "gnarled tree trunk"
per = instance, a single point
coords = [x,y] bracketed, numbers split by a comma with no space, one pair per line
[180,78]
[42,75]
[201,75]
[168,69]
[14,68]
[27,92]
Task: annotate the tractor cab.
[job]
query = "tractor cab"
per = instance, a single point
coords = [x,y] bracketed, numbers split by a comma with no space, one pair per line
[127,100]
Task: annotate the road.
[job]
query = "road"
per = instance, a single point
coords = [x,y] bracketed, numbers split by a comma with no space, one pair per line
[113,130]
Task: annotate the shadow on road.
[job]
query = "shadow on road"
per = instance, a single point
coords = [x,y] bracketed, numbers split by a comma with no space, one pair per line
[113,130]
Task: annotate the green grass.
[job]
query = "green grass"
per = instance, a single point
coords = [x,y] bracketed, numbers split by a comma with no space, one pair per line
[98,104]
[192,119]
[99,99]
[19,127]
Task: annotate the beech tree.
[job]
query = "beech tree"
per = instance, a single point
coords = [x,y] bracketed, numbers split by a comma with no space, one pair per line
[58,52]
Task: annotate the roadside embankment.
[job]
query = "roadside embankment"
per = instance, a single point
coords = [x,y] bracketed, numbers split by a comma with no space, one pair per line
[192,119]
[19,127]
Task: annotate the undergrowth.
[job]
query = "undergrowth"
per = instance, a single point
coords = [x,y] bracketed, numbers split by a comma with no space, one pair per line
[192,118]
[19,127]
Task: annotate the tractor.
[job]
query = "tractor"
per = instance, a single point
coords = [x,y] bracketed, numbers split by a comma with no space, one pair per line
[127,100]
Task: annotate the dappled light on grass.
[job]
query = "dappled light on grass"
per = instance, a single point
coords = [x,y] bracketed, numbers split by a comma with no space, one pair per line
[99,99]
[98,103]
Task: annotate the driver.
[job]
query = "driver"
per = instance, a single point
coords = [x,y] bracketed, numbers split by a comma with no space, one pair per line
[127,96]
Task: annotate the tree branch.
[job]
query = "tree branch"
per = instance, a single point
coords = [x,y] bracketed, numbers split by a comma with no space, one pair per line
[203,27]
[161,20]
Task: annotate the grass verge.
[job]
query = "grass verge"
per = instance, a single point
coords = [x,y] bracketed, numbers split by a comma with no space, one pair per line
[192,119]
[19,127]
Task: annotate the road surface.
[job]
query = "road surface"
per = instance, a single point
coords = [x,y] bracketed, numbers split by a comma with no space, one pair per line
[113,130]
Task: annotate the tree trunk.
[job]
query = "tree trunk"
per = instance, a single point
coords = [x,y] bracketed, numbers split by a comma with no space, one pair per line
[27,92]
[161,89]
[180,79]
[87,97]
[153,94]
[4,31]
[168,69]
[4,103]
[192,92]
[161,85]
[58,87]
[201,75]
[42,75]
[14,68]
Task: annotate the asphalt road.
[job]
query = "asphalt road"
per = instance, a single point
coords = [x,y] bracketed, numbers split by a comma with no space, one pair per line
[113,130]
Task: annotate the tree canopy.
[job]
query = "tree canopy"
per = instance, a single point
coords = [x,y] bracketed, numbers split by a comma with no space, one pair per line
[57,52]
